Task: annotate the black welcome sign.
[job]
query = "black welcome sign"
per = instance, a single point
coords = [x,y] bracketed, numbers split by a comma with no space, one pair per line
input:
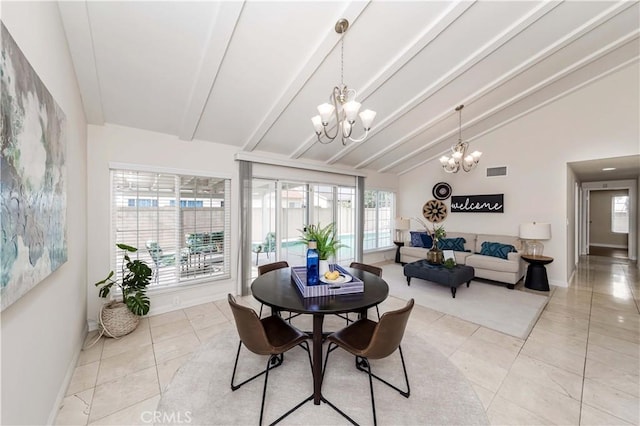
[493,203]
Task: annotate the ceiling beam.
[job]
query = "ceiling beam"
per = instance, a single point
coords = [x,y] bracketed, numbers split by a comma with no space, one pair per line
[483,52]
[77,27]
[316,57]
[520,68]
[221,31]
[430,33]
[633,36]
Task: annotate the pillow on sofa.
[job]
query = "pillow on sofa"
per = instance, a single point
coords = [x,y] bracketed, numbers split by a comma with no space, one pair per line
[421,239]
[496,249]
[455,244]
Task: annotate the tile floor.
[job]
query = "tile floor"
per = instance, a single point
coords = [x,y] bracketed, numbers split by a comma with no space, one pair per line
[580,364]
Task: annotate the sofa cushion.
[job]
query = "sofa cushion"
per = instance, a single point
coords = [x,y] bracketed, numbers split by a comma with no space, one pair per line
[504,239]
[415,252]
[479,261]
[490,248]
[455,244]
[469,239]
[421,239]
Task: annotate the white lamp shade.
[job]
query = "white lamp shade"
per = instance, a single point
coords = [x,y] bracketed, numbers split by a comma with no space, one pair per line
[317,123]
[325,111]
[457,155]
[367,117]
[402,224]
[535,231]
[351,109]
[476,155]
[444,160]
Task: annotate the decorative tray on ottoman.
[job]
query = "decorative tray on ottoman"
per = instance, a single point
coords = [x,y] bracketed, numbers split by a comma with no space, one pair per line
[299,276]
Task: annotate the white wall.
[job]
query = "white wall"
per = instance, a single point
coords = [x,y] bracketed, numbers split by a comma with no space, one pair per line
[42,332]
[598,121]
[111,144]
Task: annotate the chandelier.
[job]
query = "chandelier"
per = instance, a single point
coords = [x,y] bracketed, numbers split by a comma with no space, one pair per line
[343,106]
[459,158]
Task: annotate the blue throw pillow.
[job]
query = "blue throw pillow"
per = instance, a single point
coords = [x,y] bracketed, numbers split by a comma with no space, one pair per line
[427,241]
[455,244]
[418,239]
[500,250]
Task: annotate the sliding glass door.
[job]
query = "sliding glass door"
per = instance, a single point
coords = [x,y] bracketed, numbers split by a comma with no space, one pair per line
[280,210]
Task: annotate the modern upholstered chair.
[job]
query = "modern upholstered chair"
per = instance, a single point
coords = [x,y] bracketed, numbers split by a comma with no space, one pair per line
[367,340]
[263,269]
[268,336]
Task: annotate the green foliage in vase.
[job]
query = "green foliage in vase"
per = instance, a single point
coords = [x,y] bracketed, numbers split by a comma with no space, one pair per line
[133,284]
[325,238]
[449,263]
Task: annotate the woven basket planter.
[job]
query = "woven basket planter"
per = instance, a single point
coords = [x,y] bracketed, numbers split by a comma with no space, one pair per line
[117,320]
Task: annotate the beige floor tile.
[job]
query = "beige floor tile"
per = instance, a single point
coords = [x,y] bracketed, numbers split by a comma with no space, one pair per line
[204,309]
[578,322]
[611,401]
[170,330]
[574,345]
[485,395]
[124,392]
[204,321]
[92,349]
[591,416]
[139,337]
[223,305]
[478,370]
[423,315]
[141,413]
[176,346]
[628,363]
[500,339]
[83,378]
[167,369]
[74,409]
[126,363]
[490,352]
[504,412]
[608,375]
[558,357]
[553,406]
[167,318]
[562,328]
[206,334]
[614,331]
[549,376]
[580,310]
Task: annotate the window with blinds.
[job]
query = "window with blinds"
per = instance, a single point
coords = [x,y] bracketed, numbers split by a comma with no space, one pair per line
[378,219]
[179,223]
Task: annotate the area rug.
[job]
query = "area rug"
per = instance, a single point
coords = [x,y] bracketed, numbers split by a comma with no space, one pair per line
[200,389]
[512,312]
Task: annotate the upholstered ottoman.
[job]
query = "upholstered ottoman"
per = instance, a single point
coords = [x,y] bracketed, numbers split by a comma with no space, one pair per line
[453,277]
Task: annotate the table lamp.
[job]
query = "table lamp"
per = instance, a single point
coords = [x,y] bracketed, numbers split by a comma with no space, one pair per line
[402,224]
[533,232]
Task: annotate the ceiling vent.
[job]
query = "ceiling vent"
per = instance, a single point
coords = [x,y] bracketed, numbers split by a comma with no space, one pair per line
[496,171]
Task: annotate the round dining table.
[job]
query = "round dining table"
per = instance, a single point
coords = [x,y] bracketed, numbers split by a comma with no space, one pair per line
[277,290]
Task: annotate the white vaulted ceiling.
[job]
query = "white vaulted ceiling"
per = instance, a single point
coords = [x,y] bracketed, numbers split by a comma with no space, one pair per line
[250,74]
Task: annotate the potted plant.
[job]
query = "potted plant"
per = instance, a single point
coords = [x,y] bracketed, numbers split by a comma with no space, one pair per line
[325,238]
[118,318]
[434,255]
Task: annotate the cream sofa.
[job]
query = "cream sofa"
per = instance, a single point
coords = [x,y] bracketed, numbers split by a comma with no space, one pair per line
[509,270]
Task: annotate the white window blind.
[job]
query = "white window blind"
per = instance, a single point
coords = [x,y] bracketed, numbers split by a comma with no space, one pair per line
[378,219]
[180,224]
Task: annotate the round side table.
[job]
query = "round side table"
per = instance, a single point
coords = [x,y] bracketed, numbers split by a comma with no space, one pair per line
[536,272]
[398,245]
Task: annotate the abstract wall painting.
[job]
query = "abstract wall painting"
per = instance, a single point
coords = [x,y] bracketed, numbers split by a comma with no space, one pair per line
[33,194]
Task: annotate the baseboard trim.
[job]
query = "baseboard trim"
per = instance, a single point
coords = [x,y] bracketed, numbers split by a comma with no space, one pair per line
[609,245]
[66,381]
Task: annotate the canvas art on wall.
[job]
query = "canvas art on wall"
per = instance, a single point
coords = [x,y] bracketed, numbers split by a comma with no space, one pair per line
[32,165]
